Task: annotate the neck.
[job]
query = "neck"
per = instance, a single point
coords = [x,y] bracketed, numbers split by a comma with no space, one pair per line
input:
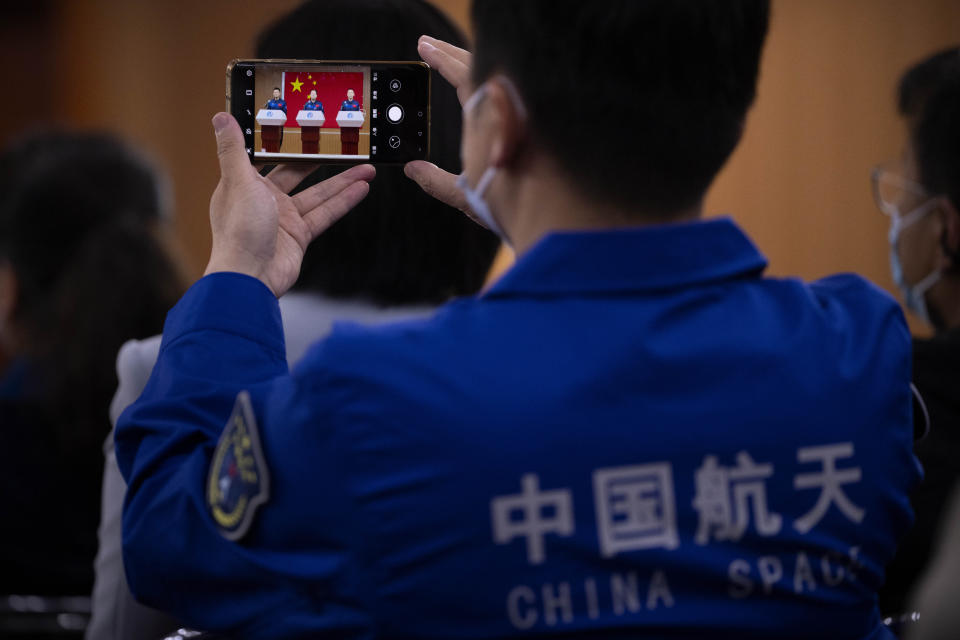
[544,201]
[944,300]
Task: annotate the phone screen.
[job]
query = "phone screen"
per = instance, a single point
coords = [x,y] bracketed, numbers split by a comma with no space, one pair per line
[339,112]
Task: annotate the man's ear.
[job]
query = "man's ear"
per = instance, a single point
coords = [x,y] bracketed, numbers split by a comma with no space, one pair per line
[510,126]
[950,236]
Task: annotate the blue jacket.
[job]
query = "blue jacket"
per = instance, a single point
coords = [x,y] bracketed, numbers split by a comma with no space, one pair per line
[277,104]
[631,430]
[316,105]
[349,105]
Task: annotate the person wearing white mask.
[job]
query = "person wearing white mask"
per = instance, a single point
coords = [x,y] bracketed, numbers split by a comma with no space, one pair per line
[632,433]
[921,194]
[923,236]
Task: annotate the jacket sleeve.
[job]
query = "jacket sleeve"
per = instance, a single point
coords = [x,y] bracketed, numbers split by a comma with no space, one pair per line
[223,338]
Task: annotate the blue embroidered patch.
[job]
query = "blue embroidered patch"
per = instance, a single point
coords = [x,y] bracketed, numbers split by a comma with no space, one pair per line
[238,482]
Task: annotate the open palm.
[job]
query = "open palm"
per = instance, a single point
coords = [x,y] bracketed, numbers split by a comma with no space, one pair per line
[258,229]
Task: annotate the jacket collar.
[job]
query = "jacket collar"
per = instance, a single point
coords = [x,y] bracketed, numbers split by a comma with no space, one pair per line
[641,259]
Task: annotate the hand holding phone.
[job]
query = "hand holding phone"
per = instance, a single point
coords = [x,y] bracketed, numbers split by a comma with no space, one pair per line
[260,231]
[453,63]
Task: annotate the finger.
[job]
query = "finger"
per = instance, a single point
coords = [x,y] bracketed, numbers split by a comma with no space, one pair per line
[454,71]
[234,163]
[457,53]
[436,182]
[287,176]
[322,217]
[308,199]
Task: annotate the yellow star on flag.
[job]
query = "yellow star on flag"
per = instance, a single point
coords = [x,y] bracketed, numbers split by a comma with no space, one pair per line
[314,83]
[297,84]
[309,76]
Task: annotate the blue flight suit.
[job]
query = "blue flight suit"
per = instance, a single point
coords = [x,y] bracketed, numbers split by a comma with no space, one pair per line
[277,104]
[349,105]
[631,433]
[313,105]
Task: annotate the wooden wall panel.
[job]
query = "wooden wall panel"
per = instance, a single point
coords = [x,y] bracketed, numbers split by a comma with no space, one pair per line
[155,73]
[31,95]
[799,182]
[459,12]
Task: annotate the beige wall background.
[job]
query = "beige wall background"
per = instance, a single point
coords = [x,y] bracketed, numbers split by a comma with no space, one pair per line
[799,182]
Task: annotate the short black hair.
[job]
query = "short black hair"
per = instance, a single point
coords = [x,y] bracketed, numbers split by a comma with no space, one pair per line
[929,98]
[399,246]
[276,88]
[672,79]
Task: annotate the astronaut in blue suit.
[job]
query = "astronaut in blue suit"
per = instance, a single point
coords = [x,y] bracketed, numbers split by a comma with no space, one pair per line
[277,102]
[312,104]
[632,433]
[350,104]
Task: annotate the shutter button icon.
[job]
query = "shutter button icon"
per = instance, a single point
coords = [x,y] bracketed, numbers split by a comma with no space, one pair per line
[394,113]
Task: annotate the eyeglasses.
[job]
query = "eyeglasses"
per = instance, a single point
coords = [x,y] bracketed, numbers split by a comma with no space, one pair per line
[892,192]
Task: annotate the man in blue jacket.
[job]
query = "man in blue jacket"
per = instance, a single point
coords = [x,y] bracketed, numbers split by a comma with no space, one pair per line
[276,102]
[632,433]
[312,104]
[349,136]
[350,104]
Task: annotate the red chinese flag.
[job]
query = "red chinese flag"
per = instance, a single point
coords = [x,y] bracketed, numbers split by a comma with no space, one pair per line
[331,88]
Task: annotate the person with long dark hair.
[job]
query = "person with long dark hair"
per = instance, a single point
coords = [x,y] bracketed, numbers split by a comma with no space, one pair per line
[82,270]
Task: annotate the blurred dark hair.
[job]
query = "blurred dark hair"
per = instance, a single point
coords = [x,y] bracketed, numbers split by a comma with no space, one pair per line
[399,246]
[78,217]
[929,98]
[673,78]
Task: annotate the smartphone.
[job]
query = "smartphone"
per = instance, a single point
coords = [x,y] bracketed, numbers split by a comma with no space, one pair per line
[330,110]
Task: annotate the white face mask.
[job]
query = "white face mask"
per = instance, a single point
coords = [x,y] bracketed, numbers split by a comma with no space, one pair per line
[476,202]
[474,196]
[914,295]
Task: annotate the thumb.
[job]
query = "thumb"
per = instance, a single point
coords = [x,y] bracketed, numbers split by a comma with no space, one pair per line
[438,183]
[230,150]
